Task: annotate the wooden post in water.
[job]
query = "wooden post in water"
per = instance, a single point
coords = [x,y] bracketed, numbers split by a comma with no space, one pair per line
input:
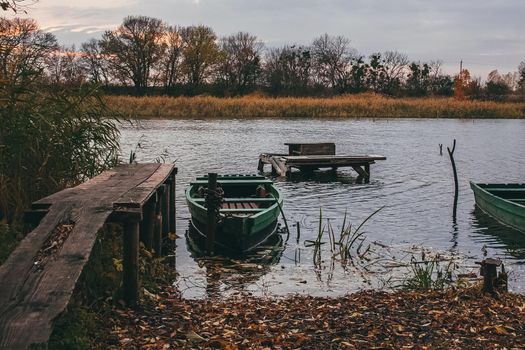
[211,202]
[130,275]
[456,191]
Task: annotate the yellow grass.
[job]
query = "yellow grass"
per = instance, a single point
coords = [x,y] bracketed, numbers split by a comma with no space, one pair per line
[348,106]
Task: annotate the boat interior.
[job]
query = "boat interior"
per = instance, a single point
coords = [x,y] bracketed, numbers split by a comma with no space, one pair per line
[241,195]
[514,193]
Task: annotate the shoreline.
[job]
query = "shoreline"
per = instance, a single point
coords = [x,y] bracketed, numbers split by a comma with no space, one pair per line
[341,107]
[454,318]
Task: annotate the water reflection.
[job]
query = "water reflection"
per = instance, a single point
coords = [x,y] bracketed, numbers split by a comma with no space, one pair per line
[496,233]
[226,271]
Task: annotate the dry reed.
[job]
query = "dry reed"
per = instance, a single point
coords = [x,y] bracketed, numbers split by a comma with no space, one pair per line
[347,106]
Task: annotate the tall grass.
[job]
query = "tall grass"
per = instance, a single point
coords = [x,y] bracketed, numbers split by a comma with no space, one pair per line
[347,106]
[49,141]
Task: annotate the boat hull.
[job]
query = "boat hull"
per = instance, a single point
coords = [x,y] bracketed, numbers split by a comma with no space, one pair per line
[502,202]
[238,230]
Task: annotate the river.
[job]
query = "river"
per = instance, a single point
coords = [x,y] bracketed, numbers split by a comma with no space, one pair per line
[415,186]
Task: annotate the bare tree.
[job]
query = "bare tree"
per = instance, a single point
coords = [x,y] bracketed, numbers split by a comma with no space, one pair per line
[23,49]
[200,54]
[241,61]
[134,48]
[332,60]
[395,66]
[64,67]
[14,5]
[170,64]
[95,63]
[288,69]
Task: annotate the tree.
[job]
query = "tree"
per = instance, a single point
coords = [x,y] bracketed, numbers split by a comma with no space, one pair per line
[521,75]
[332,59]
[439,84]
[496,87]
[241,61]
[358,74]
[13,5]
[418,79]
[134,48]
[64,67]
[395,64]
[95,63]
[462,83]
[287,70]
[24,48]
[376,74]
[170,64]
[200,54]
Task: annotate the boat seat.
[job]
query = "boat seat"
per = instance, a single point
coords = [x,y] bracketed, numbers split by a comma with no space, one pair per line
[241,200]
[239,205]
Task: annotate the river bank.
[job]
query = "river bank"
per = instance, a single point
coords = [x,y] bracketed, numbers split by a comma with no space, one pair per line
[452,319]
[348,106]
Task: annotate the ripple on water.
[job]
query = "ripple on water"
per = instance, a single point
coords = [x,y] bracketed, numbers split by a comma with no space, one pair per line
[414,185]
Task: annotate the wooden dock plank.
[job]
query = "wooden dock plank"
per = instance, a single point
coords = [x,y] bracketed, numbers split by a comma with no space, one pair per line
[33,295]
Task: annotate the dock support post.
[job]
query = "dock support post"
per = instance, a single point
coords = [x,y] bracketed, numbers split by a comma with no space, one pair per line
[130,275]
[367,171]
[212,217]
[147,225]
[260,166]
[159,223]
[165,210]
[172,206]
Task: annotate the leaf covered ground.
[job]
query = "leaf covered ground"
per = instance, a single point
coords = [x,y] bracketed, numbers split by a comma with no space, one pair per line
[454,319]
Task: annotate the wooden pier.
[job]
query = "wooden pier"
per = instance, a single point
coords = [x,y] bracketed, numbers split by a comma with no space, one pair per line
[313,156]
[38,278]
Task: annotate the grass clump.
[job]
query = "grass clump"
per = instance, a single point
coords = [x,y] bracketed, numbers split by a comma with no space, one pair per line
[429,273]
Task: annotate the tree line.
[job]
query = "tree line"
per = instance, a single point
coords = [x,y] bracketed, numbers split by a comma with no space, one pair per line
[145,55]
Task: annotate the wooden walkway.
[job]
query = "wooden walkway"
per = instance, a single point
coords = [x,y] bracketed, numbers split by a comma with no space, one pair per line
[39,277]
[311,156]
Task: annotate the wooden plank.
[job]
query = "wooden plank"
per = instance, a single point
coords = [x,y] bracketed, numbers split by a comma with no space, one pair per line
[32,296]
[325,148]
[139,194]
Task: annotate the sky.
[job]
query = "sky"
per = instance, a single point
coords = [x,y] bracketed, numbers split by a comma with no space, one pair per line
[484,34]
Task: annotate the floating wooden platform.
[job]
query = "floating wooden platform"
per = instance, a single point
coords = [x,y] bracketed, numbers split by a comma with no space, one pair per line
[306,157]
[39,277]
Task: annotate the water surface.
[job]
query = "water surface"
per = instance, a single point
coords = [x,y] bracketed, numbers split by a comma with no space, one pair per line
[415,184]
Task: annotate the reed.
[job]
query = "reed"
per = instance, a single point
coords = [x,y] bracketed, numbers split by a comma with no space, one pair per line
[346,106]
[344,248]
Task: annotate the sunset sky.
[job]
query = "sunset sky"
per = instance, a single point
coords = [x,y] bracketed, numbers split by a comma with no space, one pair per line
[486,34]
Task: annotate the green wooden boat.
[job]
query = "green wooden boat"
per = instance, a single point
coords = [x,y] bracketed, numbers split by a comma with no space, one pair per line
[248,213]
[504,202]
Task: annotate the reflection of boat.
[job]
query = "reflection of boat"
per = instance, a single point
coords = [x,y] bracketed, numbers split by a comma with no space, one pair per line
[248,213]
[504,202]
[496,234]
[226,273]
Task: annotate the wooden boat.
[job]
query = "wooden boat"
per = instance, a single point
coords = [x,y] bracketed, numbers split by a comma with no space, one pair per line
[248,213]
[504,202]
